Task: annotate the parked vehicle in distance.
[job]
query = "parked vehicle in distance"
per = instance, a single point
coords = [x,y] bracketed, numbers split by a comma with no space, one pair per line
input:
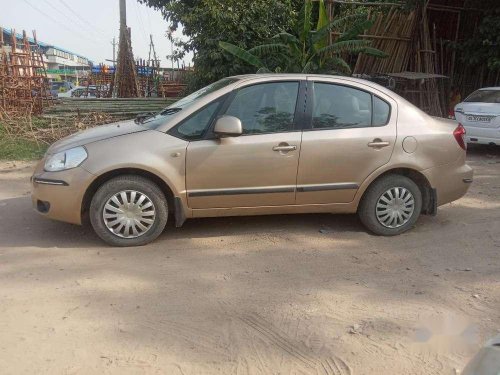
[479,113]
[258,145]
[57,87]
[79,92]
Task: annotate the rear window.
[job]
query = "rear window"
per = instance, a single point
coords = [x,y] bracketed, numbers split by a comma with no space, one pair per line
[484,96]
[341,107]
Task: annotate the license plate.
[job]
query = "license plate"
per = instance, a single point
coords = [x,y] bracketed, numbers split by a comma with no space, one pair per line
[479,118]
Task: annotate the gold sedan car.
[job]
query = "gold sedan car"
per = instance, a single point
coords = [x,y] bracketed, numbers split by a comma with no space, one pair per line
[258,145]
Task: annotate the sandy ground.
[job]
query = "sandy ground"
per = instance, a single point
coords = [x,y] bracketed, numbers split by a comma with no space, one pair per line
[304,294]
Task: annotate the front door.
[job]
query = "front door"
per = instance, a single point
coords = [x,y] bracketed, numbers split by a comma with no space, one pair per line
[258,168]
[351,134]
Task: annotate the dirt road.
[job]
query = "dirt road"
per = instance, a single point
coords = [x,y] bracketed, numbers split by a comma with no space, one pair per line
[305,294]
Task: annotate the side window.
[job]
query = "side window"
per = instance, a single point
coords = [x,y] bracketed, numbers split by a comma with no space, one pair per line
[194,127]
[338,106]
[381,112]
[265,108]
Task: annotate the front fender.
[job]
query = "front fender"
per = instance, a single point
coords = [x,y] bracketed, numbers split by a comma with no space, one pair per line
[151,151]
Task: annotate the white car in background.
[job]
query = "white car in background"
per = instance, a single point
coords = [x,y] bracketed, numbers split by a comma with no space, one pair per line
[78,92]
[479,113]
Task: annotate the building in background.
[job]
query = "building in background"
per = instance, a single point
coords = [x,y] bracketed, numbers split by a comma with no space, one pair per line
[60,63]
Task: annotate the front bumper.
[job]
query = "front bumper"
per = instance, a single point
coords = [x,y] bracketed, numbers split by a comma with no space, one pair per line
[451,181]
[59,195]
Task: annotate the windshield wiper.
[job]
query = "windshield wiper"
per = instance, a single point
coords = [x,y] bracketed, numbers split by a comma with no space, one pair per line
[141,117]
[170,111]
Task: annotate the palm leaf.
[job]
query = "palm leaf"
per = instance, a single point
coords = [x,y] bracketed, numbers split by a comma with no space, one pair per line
[286,38]
[310,67]
[304,23]
[340,64]
[322,22]
[356,29]
[375,52]
[292,41]
[336,23]
[268,49]
[344,46]
[242,54]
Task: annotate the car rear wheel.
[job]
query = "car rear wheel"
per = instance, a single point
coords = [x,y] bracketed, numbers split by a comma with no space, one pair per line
[128,211]
[391,205]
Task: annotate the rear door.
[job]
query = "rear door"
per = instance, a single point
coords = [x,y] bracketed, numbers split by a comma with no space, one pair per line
[351,132]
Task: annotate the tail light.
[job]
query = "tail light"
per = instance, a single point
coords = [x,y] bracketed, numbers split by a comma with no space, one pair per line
[459,134]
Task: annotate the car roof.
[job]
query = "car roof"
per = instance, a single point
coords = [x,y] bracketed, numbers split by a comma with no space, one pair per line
[490,88]
[360,81]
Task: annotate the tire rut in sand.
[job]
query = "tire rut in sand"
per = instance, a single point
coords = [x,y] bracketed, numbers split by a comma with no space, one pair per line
[298,352]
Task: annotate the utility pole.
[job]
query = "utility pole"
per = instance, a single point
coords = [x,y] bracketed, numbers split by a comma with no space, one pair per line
[123,14]
[114,44]
[125,83]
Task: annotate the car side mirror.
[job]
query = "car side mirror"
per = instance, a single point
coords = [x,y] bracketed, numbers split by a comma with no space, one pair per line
[228,126]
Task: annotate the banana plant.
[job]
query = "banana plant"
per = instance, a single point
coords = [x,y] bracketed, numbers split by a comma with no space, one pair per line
[309,51]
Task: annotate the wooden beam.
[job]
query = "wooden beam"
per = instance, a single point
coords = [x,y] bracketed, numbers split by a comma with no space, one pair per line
[383,37]
[451,8]
[362,3]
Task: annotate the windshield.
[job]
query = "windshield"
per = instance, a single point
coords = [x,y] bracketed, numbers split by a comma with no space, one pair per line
[484,96]
[154,121]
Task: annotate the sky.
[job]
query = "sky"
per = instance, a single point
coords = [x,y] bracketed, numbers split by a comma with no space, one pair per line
[87,27]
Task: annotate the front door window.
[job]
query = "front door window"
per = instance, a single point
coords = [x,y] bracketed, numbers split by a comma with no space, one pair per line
[265,108]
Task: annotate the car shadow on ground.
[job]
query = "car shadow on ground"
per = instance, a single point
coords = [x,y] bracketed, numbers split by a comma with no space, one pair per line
[482,151]
[18,217]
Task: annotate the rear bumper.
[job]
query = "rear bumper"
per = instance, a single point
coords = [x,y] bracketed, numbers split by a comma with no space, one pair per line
[482,140]
[451,181]
[59,195]
[482,135]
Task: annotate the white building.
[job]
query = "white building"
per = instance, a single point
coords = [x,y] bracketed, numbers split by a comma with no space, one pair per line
[58,61]
[58,58]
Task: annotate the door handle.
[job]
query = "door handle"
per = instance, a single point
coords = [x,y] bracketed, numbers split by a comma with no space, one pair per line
[284,148]
[378,143]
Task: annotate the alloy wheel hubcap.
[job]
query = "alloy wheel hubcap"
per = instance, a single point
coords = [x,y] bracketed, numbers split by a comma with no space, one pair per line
[395,207]
[129,214]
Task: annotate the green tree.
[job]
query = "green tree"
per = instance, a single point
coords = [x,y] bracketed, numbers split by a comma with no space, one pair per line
[308,50]
[484,45]
[206,22]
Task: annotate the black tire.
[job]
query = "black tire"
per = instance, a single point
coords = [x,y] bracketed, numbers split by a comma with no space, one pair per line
[122,183]
[367,208]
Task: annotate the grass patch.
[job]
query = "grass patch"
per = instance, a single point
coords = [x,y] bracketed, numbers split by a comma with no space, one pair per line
[19,149]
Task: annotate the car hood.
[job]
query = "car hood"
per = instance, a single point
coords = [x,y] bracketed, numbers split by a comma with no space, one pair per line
[96,134]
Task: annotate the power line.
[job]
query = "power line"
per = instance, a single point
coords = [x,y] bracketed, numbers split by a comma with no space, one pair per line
[62,13]
[138,14]
[80,18]
[149,21]
[56,21]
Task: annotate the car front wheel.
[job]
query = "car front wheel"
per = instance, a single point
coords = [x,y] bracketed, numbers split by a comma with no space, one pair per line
[128,211]
[391,205]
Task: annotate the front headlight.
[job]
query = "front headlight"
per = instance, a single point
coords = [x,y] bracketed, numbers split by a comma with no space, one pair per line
[66,159]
